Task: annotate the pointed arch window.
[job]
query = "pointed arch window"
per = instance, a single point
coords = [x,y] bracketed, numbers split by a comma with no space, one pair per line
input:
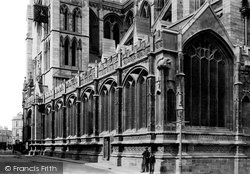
[87,120]
[71,117]
[135,100]
[113,107]
[64,11]
[129,19]
[129,104]
[108,107]
[94,32]
[107,30]
[84,112]
[145,11]
[104,109]
[142,90]
[48,122]
[116,33]
[76,19]
[74,22]
[74,52]
[207,82]
[91,115]
[66,52]
[59,120]
[112,27]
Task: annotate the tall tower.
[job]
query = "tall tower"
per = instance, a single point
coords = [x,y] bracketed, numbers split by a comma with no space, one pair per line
[57,41]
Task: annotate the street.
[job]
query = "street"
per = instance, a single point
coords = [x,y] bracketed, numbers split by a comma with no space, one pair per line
[69,167]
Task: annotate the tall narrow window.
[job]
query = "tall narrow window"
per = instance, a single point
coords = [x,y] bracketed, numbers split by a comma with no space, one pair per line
[104,109]
[145,12]
[107,29]
[113,108]
[58,120]
[74,53]
[71,117]
[94,32]
[84,114]
[91,115]
[128,101]
[206,69]
[48,123]
[74,22]
[142,102]
[66,52]
[112,26]
[65,19]
[87,113]
[116,34]
[135,100]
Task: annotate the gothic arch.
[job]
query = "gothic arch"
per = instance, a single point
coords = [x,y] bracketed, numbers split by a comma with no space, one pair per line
[113,25]
[74,55]
[87,111]
[109,81]
[71,100]
[76,15]
[64,11]
[93,32]
[135,99]
[134,70]
[48,121]
[208,69]
[129,19]
[58,118]
[108,109]
[145,10]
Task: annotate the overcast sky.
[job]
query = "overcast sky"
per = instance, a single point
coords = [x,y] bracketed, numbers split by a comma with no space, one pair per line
[13,31]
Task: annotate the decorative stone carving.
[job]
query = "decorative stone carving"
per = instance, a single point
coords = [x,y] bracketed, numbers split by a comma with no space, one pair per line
[164,63]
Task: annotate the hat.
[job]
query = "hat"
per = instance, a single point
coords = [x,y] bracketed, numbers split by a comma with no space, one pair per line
[146,147]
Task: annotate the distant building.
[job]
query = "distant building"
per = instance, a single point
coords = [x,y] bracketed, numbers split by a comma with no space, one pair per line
[5,137]
[17,128]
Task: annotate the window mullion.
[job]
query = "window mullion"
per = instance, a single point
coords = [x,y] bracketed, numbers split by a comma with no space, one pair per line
[208,93]
[199,97]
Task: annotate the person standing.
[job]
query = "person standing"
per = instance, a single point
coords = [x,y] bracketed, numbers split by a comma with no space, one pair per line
[151,163]
[145,160]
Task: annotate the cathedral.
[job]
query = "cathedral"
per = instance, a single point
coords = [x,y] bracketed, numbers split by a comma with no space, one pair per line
[107,78]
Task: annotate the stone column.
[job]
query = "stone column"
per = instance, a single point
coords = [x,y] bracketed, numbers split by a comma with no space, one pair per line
[180,102]
[151,93]
[119,93]
[237,92]
[64,115]
[64,107]
[100,17]
[96,104]
[78,113]
[78,121]
[42,132]
[53,120]
[96,109]
[237,124]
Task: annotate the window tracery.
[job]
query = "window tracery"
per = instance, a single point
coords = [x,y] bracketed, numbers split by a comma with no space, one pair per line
[207,86]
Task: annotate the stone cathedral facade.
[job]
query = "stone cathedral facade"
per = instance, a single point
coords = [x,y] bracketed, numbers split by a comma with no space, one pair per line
[107,78]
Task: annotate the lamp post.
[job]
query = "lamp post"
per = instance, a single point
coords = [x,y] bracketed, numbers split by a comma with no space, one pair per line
[180,111]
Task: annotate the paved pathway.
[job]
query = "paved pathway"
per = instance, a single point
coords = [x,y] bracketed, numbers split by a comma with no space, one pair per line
[69,166]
